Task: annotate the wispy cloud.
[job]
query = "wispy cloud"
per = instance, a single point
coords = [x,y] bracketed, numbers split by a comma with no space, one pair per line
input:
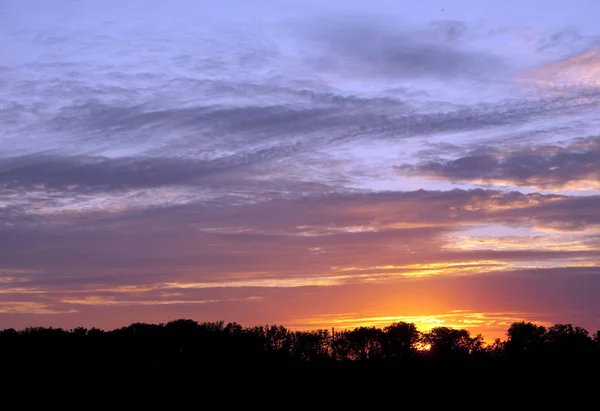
[580,70]
[111,301]
[574,166]
[30,307]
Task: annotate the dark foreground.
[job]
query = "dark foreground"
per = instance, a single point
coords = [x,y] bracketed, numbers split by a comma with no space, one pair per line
[229,362]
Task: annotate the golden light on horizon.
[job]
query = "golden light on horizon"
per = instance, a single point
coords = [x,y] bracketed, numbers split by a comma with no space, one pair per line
[492,325]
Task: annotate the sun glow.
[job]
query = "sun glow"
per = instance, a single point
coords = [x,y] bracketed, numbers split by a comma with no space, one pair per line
[491,325]
[421,346]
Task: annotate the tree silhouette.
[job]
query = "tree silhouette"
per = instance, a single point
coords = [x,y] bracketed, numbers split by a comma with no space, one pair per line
[362,343]
[184,346]
[399,340]
[450,343]
[525,338]
[311,345]
[567,341]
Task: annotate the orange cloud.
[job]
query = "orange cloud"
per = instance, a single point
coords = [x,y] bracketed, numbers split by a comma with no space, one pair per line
[580,70]
[30,307]
[528,242]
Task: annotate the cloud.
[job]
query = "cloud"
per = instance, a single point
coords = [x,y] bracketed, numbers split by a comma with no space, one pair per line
[93,174]
[573,166]
[384,236]
[335,213]
[580,70]
[568,39]
[361,46]
[289,121]
[111,301]
[267,152]
[30,307]
[553,242]
[223,142]
[449,30]
[544,295]
[306,102]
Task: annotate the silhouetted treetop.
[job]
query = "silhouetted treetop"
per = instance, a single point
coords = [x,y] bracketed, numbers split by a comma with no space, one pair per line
[188,343]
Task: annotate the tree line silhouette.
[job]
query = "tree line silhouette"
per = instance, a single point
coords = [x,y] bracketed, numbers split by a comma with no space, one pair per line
[187,343]
[218,364]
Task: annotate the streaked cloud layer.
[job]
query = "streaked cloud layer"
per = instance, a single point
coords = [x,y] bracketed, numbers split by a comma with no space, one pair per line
[305,164]
[575,166]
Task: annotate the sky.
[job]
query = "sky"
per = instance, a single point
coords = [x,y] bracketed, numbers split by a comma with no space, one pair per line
[305,163]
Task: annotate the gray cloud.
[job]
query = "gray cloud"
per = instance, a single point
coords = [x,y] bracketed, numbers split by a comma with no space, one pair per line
[204,94]
[567,41]
[89,173]
[97,174]
[313,120]
[449,30]
[545,167]
[369,46]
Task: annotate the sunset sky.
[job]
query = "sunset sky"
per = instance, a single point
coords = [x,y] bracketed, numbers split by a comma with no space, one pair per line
[306,163]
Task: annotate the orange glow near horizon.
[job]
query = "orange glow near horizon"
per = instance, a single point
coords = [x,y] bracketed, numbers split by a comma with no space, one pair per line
[490,325]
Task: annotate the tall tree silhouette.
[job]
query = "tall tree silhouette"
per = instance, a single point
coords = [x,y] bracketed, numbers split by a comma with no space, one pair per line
[525,338]
[564,340]
[449,343]
[399,340]
[362,343]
